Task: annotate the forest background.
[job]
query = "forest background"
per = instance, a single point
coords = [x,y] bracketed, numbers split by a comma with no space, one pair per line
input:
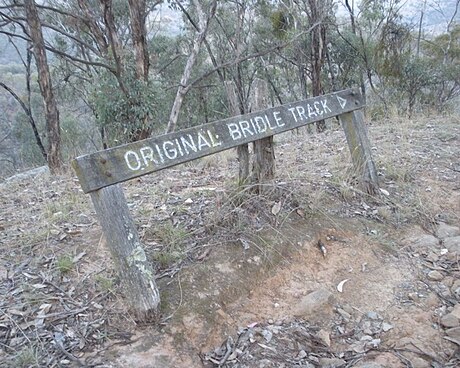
[79,76]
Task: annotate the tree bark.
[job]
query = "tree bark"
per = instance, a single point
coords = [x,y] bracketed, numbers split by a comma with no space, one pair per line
[46,88]
[30,118]
[355,130]
[139,33]
[353,29]
[139,36]
[115,44]
[203,22]
[317,14]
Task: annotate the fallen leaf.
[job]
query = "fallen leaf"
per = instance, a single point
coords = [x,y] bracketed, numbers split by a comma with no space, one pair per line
[340,285]
[276,208]
[78,257]
[300,212]
[385,192]
[266,347]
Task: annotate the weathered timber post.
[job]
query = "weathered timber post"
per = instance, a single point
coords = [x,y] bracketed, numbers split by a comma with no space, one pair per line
[356,133]
[243,149]
[136,274]
[263,168]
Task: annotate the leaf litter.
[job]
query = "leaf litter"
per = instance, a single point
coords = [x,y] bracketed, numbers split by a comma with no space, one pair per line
[75,315]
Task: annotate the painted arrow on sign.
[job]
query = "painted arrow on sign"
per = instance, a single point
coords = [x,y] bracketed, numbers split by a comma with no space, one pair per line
[342,101]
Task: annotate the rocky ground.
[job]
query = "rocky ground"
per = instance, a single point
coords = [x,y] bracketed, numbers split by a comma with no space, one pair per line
[314,273]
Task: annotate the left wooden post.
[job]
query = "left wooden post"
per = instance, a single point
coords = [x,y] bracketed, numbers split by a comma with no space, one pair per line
[136,274]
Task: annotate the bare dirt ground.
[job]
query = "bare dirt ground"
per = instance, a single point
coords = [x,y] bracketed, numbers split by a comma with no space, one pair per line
[312,274]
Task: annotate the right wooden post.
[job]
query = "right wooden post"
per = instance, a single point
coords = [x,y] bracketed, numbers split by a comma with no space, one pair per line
[263,168]
[356,133]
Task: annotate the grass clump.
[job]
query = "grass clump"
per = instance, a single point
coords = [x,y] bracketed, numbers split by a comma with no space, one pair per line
[173,241]
[104,283]
[64,264]
[26,358]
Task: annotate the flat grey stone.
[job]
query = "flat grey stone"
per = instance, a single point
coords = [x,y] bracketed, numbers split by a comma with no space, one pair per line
[368,365]
[456,311]
[447,231]
[314,302]
[453,244]
[29,174]
[454,333]
[331,362]
[449,321]
[424,241]
[435,276]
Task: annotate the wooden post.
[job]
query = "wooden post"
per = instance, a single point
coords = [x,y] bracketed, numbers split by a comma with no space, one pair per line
[243,149]
[263,169]
[136,274]
[356,133]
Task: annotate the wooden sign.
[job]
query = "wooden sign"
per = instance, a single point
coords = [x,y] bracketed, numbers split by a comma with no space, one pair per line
[99,173]
[118,164]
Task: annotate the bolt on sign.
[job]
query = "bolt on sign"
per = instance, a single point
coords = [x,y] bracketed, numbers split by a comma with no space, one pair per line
[99,172]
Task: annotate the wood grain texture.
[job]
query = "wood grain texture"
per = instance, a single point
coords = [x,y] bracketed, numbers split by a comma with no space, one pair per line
[136,274]
[132,160]
[358,142]
[263,169]
[242,150]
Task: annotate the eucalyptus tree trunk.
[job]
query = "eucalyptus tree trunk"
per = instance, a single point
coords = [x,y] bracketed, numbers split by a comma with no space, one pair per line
[138,15]
[317,15]
[350,9]
[203,23]
[46,88]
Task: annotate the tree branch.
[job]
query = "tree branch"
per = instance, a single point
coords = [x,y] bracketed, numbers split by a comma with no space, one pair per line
[30,118]
[63,54]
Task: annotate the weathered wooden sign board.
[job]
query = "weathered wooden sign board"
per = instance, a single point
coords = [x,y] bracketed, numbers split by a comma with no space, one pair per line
[128,161]
[99,172]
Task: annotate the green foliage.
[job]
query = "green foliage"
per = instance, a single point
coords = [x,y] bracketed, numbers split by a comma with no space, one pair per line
[172,238]
[104,283]
[64,264]
[122,114]
[280,23]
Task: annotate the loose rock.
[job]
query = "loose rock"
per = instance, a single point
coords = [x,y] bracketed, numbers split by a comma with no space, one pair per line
[345,315]
[373,315]
[432,257]
[454,332]
[447,231]
[435,276]
[386,327]
[424,241]
[331,362]
[449,320]
[314,302]
[456,288]
[368,365]
[453,244]
[456,311]
[324,337]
